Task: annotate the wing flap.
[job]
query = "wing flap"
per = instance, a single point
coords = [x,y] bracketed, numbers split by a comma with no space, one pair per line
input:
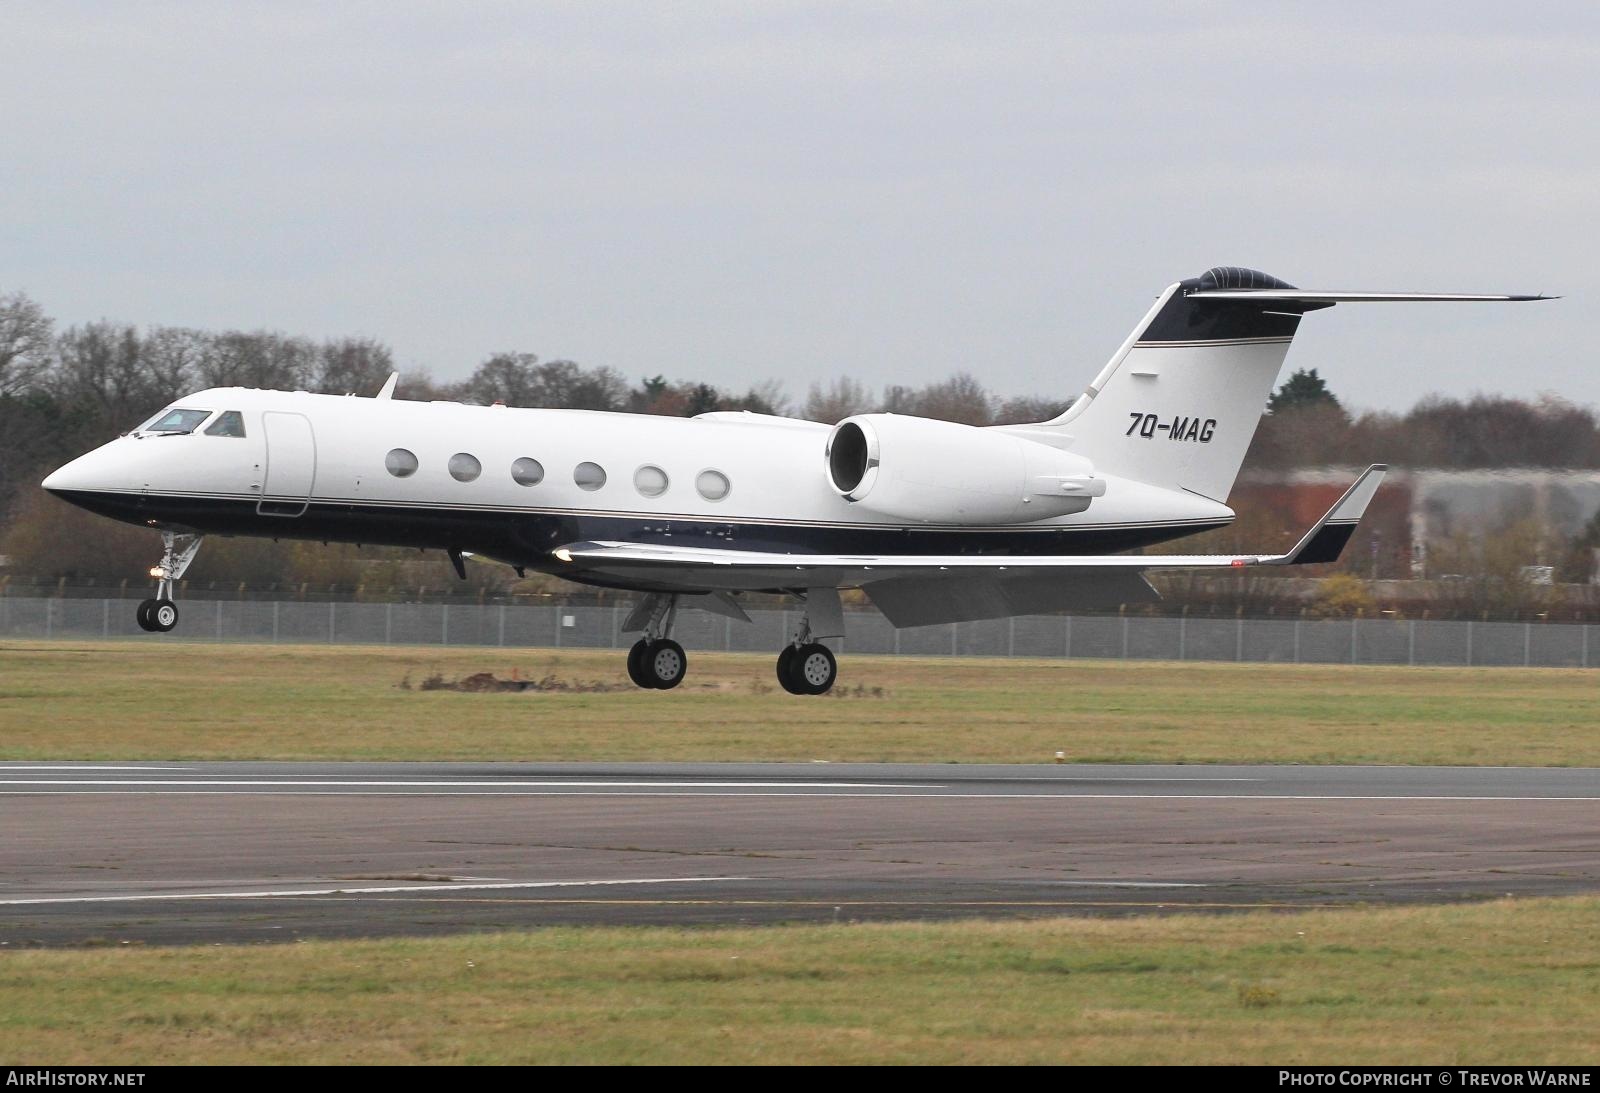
[946,597]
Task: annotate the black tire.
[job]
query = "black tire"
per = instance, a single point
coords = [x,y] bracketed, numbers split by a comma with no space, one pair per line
[665,664]
[636,655]
[786,677]
[786,658]
[814,669]
[142,616]
[163,616]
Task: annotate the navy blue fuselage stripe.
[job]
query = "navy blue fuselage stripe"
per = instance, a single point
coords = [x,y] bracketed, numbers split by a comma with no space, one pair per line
[526,538]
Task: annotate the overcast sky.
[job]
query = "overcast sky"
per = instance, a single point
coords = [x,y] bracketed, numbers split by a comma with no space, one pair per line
[797,191]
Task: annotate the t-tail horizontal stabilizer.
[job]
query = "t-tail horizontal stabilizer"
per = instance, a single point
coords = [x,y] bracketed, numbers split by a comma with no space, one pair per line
[1327,299]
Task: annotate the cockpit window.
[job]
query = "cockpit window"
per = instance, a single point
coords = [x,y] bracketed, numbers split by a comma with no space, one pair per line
[229,423]
[177,421]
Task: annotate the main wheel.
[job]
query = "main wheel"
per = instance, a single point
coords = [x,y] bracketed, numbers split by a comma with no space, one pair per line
[142,615]
[814,669]
[786,677]
[163,616]
[636,654]
[664,664]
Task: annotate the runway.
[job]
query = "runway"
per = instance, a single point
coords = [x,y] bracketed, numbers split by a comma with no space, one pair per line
[202,852]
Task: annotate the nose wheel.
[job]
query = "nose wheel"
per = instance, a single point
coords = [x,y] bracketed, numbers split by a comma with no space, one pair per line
[159,614]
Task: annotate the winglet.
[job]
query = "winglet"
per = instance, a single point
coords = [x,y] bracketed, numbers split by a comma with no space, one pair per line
[1327,537]
[389,386]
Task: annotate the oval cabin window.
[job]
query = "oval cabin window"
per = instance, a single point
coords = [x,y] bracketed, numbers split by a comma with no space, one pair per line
[527,472]
[713,485]
[589,476]
[650,481]
[400,463]
[464,467]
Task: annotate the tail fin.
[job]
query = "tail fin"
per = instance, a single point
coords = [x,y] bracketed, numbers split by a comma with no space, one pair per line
[1178,404]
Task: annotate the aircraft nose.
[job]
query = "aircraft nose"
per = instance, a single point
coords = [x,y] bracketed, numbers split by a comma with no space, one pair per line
[62,479]
[93,471]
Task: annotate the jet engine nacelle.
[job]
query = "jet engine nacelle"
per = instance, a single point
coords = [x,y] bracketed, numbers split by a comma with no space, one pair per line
[918,469]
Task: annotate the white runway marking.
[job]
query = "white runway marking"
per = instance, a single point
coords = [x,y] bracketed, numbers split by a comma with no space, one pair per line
[271,789]
[1125,884]
[85,768]
[391,890]
[330,779]
[475,783]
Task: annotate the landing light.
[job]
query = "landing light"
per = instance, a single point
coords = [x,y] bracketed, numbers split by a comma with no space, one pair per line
[155,571]
[563,554]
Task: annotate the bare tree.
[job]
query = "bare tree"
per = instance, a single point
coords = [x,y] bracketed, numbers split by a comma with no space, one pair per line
[357,366]
[418,385]
[960,398]
[24,342]
[759,398]
[1029,409]
[899,399]
[518,379]
[837,401]
[510,378]
[574,387]
[101,377]
[172,357]
[261,358]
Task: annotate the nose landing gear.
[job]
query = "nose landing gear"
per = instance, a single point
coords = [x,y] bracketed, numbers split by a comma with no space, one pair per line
[160,614]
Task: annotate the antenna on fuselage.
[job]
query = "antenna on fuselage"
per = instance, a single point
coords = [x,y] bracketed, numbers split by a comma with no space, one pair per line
[389,385]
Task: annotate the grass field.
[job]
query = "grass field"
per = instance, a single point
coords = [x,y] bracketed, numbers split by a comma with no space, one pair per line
[1485,983]
[200,701]
[1507,982]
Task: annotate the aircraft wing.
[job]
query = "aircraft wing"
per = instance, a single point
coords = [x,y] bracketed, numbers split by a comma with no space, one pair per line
[713,567]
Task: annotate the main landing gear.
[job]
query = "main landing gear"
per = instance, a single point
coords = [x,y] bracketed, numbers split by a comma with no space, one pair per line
[656,662]
[160,614]
[805,666]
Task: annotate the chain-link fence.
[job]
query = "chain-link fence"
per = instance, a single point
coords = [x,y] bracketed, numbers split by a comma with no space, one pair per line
[1308,641]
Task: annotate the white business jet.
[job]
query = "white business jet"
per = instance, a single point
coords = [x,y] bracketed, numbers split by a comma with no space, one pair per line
[935,522]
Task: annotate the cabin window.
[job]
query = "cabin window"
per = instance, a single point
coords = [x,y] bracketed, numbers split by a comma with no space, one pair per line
[464,467]
[713,485]
[400,463]
[177,421]
[527,472]
[589,476]
[650,481]
[229,423]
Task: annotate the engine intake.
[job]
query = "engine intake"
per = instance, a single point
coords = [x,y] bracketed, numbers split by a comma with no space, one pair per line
[850,457]
[918,469]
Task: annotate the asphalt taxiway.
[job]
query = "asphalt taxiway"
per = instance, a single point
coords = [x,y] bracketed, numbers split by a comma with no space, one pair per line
[200,852]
